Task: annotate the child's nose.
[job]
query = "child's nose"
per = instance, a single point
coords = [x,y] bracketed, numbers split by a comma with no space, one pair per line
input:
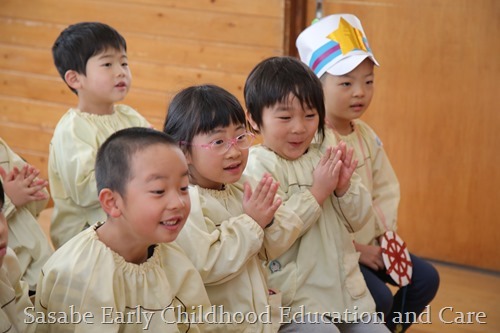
[233,149]
[298,126]
[175,201]
[121,71]
[359,91]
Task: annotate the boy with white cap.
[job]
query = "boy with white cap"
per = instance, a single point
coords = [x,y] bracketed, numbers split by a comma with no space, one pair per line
[337,50]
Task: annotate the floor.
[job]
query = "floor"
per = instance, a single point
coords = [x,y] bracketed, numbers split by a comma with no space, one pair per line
[468,300]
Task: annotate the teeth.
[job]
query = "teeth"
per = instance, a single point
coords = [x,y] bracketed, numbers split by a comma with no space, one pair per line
[169,222]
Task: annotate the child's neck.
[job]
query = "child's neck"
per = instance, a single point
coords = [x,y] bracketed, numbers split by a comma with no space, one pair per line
[207,185]
[341,127]
[109,234]
[98,109]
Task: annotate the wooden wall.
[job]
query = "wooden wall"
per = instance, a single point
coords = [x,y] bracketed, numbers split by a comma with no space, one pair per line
[171,44]
[436,110]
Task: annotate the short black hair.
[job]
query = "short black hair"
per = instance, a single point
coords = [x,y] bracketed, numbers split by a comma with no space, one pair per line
[79,42]
[201,109]
[2,196]
[274,79]
[113,167]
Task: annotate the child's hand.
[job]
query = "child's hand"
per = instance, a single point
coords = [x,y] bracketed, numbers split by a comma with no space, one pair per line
[262,203]
[22,186]
[371,256]
[326,175]
[348,167]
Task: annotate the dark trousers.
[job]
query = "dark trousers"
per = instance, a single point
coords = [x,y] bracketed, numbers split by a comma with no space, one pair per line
[419,293]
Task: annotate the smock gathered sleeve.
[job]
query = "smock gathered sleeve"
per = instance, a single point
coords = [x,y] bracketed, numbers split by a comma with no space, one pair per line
[75,152]
[355,206]
[287,225]
[385,191]
[299,200]
[218,243]
[72,154]
[15,304]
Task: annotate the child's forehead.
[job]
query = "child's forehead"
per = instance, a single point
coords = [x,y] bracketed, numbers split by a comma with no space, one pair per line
[223,129]
[158,161]
[110,51]
[291,101]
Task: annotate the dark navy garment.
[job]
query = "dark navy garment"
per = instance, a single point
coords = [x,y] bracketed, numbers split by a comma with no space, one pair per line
[419,293]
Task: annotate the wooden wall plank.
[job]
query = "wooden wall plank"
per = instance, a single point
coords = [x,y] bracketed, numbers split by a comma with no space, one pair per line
[26,60]
[30,33]
[271,8]
[198,54]
[34,139]
[53,90]
[149,76]
[36,87]
[165,21]
[147,48]
[30,112]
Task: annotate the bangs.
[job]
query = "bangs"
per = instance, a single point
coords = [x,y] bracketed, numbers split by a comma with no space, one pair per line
[213,118]
[307,94]
[217,111]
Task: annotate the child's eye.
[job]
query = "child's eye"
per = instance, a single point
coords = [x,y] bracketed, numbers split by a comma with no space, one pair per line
[284,118]
[158,192]
[311,115]
[217,143]
[108,64]
[125,64]
[185,189]
[242,137]
[369,82]
[345,84]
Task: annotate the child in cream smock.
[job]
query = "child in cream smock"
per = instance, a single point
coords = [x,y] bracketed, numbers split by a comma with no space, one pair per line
[91,57]
[126,273]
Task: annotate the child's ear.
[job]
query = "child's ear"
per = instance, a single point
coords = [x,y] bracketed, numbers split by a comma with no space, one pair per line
[252,122]
[110,202]
[72,79]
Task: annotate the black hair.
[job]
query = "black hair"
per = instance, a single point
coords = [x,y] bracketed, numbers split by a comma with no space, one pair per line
[113,167]
[2,196]
[274,79]
[201,109]
[79,42]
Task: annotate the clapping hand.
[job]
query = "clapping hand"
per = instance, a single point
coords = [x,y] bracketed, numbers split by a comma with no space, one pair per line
[22,186]
[348,167]
[326,175]
[261,204]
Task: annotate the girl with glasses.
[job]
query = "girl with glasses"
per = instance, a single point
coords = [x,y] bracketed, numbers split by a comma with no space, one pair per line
[235,222]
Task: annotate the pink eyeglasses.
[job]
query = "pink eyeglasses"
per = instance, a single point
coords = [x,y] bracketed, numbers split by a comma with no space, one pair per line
[242,141]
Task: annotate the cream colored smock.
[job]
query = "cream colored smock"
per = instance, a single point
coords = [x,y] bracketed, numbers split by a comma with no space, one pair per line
[26,237]
[225,245]
[14,298]
[85,275]
[72,154]
[378,177]
[320,272]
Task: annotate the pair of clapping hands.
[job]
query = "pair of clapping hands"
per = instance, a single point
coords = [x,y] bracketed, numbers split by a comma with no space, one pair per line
[23,186]
[332,174]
